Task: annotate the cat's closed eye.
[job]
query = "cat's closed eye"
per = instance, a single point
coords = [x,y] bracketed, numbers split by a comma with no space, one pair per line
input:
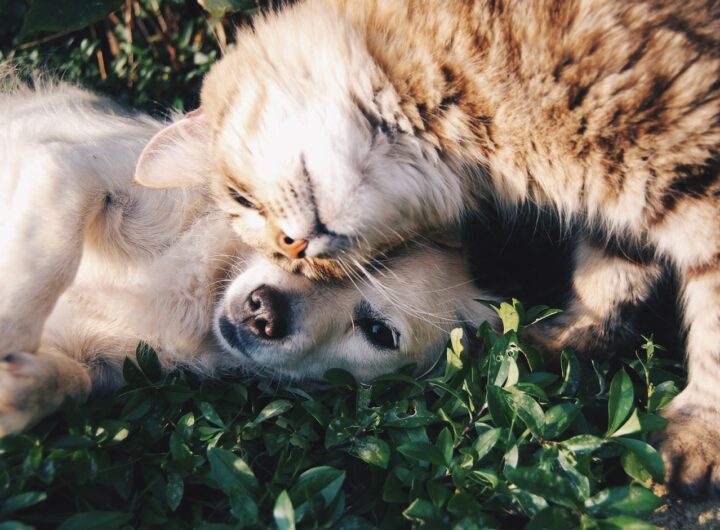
[241,199]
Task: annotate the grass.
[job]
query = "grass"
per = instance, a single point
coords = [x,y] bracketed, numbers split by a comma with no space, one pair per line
[496,438]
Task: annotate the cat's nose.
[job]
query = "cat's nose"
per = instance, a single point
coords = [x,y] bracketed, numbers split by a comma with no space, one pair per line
[292,248]
[265,313]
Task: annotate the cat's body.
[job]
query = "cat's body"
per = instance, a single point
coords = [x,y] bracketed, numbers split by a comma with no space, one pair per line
[338,129]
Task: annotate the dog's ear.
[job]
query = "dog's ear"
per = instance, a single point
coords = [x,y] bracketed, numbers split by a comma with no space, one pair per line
[177,156]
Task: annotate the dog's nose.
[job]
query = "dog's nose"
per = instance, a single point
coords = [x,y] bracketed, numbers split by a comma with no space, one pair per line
[265,313]
[292,248]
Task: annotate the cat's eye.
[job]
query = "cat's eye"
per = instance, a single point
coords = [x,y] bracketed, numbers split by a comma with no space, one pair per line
[379,333]
[241,199]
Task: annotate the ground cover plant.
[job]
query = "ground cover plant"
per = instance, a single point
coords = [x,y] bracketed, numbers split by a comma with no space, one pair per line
[496,438]
[498,435]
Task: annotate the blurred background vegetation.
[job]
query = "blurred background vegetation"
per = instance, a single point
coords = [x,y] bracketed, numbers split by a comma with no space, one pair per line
[148,54]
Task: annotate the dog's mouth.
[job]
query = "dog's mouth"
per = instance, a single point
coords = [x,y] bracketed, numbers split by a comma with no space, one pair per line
[229,332]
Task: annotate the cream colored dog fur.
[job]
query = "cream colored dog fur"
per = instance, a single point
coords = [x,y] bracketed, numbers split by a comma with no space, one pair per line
[92,263]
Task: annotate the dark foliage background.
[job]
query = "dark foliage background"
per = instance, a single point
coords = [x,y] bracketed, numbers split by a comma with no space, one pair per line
[148,54]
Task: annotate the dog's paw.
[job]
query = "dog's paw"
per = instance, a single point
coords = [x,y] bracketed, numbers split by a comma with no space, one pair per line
[690,447]
[21,391]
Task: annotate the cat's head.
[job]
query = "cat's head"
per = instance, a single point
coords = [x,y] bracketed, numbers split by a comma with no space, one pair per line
[284,325]
[305,146]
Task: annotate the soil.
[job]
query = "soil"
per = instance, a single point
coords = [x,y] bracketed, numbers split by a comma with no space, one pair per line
[685,515]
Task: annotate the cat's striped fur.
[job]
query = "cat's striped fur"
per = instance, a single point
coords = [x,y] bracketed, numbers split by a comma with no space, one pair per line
[351,125]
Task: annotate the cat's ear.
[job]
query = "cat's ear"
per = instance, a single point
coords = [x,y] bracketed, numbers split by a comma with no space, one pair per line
[178,155]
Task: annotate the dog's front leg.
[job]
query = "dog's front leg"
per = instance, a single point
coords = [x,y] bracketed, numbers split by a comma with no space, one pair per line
[32,385]
[48,199]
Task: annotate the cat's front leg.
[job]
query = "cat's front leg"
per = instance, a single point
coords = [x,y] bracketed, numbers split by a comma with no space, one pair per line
[33,385]
[690,445]
[604,282]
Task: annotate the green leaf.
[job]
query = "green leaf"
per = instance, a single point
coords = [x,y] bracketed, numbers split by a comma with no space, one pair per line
[652,423]
[530,504]
[444,443]
[509,316]
[148,362]
[553,518]
[15,525]
[272,409]
[500,410]
[538,313]
[230,471]
[631,426]
[558,418]
[438,492]
[635,468]
[625,523]
[544,483]
[65,15]
[132,373]
[372,450]
[623,500]
[453,353]
[21,501]
[235,478]
[620,401]
[528,410]
[323,482]
[283,512]
[571,374]
[341,378]
[583,444]
[422,511]
[485,442]
[423,451]
[646,455]
[661,395]
[353,522]
[318,411]
[418,417]
[174,490]
[210,414]
[578,482]
[218,8]
[95,520]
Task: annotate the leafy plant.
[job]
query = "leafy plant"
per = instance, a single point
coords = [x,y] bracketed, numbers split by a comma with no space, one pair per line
[150,54]
[502,437]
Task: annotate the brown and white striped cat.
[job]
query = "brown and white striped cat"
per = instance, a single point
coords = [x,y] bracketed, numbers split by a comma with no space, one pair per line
[337,129]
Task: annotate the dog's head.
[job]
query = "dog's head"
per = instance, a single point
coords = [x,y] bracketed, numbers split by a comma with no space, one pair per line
[285,325]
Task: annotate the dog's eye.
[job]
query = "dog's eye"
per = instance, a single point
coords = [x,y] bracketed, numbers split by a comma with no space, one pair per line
[241,200]
[378,333]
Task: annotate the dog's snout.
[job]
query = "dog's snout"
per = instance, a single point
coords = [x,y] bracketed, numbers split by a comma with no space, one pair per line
[265,313]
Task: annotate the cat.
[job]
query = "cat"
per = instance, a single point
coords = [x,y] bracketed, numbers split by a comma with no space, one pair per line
[336,129]
[92,264]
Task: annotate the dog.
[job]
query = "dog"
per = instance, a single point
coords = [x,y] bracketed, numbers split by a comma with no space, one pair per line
[93,263]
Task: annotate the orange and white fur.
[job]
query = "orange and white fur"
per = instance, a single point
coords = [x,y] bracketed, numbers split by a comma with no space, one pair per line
[91,263]
[337,128]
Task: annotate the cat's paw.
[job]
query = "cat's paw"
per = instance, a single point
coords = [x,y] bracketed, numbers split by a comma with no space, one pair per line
[690,447]
[21,391]
[553,337]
